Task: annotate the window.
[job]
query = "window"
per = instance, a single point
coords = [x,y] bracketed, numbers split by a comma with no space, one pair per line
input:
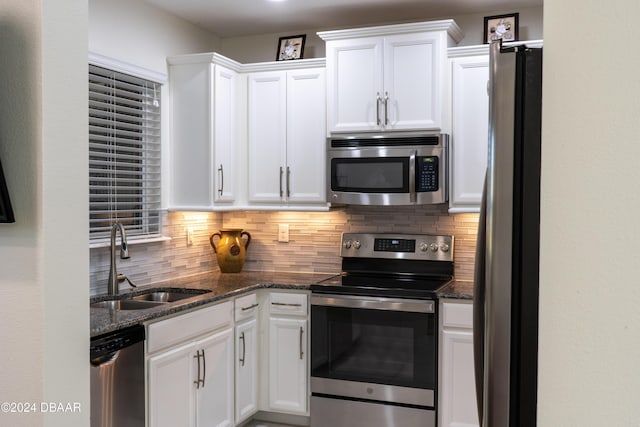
[124,154]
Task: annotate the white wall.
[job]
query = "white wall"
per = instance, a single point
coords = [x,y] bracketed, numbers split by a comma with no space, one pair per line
[263,47]
[142,35]
[21,287]
[138,34]
[590,270]
[44,256]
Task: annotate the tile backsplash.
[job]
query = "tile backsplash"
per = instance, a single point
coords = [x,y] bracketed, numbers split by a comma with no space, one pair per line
[314,241]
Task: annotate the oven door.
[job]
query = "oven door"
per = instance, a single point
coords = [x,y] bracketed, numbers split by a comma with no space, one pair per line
[374,349]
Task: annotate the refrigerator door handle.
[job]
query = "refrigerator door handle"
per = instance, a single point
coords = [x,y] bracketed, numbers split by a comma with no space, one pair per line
[479,303]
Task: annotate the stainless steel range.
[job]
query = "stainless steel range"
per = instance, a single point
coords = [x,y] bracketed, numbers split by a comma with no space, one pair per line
[374,332]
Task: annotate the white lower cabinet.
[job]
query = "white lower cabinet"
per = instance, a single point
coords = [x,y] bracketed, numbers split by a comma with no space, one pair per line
[191,383]
[247,356]
[287,365]
[219,365]
[288,356]
[458,407]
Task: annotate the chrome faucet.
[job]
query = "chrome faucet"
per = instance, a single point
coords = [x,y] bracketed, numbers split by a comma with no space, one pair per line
[113,283]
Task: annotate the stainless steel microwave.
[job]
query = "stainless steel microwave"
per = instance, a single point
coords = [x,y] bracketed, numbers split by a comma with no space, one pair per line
[387,170]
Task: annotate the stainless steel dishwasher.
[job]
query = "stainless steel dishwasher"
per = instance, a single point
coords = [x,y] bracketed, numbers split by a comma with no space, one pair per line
[117,378]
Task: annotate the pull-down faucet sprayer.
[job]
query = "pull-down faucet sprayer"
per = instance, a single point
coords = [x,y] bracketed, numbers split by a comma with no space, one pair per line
[112,284]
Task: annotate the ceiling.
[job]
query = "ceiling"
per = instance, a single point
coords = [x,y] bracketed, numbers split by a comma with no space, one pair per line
[233,18]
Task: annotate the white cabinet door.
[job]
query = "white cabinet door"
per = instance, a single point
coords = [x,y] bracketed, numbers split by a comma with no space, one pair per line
[267,136]
[246,369]
[203,142]
[412,81]
[215,394]
[288,365]
[287,137]
[385,83]
[306,140]
[458,407]
[190,378]
[355,83]
[224,129]
[469,136]
[171,388]
[191,139]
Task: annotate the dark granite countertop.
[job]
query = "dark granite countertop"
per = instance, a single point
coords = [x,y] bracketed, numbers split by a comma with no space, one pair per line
[223,286]
[457,289]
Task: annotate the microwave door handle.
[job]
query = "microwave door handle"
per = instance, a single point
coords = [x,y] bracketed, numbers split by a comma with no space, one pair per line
[412,177]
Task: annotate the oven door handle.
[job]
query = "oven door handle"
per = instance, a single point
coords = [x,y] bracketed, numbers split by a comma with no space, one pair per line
[374,303]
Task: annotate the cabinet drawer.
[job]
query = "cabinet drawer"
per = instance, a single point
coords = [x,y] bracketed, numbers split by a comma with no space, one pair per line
[457,315]
[166,333]
[246,307]
[288,303]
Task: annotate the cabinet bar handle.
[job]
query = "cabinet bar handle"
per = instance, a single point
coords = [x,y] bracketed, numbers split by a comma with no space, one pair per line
[288,182]
[284,304]
[281,193]
[221,174]
[386,108]
[244,349]
[197,381]
[250,307]
[378,108]
[301,350]
[204,367]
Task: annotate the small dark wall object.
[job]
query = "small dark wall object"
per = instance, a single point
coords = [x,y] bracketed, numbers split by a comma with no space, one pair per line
[6,213]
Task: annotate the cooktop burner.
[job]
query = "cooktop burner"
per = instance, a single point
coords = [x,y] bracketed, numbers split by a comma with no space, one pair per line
[347,284]
[392,265]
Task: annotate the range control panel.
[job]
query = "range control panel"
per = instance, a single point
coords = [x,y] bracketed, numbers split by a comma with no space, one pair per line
[397,246]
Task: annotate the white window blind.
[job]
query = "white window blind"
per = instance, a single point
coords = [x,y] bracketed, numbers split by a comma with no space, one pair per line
[124,153]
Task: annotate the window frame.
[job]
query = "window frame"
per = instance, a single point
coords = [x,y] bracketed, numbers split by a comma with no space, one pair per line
[100,239]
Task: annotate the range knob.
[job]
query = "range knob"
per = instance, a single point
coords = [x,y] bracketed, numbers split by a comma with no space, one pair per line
[433,247]
[424,247]
[347,244]
[356,244]
[444,247]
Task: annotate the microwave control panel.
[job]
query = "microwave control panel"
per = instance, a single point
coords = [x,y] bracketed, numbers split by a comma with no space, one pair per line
[427,174]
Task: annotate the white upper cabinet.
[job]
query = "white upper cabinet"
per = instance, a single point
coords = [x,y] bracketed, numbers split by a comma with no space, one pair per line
[286,134]
[469,135]
[203,164]
[387,78]
[306,142]
[469,72]
[267,136]
[354,82]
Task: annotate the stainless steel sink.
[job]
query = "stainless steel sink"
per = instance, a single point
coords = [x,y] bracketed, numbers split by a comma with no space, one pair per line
[169,295]
[150,298]
[126,304]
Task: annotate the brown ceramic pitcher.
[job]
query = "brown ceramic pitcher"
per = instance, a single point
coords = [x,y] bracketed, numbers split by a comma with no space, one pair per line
[231,250]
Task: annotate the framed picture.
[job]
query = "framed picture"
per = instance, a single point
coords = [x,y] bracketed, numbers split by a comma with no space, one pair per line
[290,47]
[501,27]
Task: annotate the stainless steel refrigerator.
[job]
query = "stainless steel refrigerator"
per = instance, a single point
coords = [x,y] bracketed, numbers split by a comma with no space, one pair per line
[507,258]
